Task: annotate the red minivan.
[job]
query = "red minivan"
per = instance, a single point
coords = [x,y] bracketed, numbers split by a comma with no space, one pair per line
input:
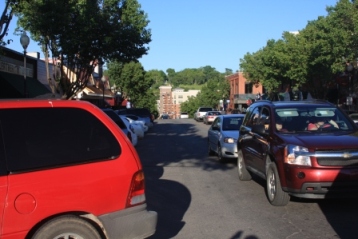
[68,171]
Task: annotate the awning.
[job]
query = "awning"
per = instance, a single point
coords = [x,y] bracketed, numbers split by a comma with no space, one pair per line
[12,86]
[95,95]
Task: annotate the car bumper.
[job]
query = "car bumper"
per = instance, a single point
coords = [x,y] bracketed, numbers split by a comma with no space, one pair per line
[134,222]
[229,150]
[321,183]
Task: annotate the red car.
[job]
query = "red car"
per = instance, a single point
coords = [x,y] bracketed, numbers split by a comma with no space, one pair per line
[279,143]
[68,171]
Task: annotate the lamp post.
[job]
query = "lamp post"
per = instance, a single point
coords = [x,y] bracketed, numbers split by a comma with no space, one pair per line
[24,40]
[103,79]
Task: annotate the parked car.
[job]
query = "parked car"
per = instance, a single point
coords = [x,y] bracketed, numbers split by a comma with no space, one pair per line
[302,149]
[138,127]
[210,116]
[223,135]
[200,112]
[184,115]
[140,120]
[140,112]
[128,130]
[69,171]
[131,129]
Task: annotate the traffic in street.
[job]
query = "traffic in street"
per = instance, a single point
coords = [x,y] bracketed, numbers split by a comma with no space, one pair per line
[196,196]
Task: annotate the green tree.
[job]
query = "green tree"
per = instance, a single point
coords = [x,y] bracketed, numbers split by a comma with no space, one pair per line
[85,33]
[134,82]
[6,18]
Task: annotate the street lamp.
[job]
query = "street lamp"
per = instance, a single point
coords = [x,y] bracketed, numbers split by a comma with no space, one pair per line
[103,79]
[24,40]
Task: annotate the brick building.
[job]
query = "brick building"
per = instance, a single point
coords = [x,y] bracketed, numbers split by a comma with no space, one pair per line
[170,100]
[241,91]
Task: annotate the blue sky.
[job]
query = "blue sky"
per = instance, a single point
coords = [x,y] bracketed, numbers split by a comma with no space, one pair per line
[198,33]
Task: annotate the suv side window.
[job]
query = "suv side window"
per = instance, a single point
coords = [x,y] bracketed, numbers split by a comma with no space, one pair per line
[254,117]
[265,118]
[54,137]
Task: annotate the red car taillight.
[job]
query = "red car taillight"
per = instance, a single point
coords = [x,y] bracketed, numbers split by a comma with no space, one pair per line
[136,192]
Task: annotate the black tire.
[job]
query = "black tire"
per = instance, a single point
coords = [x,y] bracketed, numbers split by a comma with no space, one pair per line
[221,158]
[275,194]
[210,151]
[244,175]
[66,227]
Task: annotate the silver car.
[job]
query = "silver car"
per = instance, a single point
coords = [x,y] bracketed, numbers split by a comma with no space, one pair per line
[223,135]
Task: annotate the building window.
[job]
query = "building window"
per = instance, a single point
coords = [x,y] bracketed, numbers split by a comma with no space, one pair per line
[180,96]
[248,88]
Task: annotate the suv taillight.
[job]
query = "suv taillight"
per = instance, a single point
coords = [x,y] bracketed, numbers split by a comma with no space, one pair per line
[136,192]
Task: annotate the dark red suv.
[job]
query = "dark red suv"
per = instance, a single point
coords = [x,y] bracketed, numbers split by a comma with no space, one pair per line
[301,148]
[68,171]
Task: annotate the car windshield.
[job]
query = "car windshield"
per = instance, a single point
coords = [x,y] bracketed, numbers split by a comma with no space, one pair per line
[309,118]
[232,123]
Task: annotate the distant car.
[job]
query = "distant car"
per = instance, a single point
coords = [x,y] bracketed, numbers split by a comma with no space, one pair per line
[223,135]
[165,116]
[119,121]
[131,130]
[138,127]
[200,112]
[184,115]
[140,112]
[124,124]
[140,120]
[210,116]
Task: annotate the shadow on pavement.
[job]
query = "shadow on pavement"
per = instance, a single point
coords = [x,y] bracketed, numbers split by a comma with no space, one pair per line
[169,199]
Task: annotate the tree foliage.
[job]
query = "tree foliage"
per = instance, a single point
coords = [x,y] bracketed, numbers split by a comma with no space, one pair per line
[312,57]
[133,82]
[6,18]
[85,33]
[216,88]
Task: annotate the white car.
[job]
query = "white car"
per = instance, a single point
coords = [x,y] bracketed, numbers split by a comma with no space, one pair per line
[184,115]
[147,124]
[138,126]
[130,128]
